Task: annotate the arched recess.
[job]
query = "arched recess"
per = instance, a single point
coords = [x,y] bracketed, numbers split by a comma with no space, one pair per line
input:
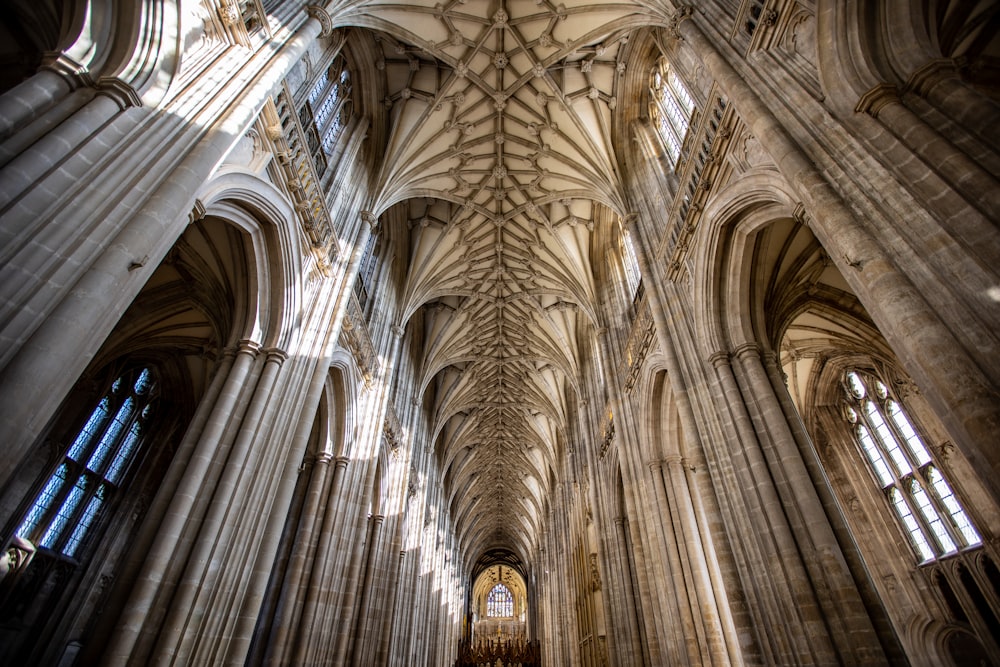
[274,245]
[779,294]
[872,43]
[181,327]
[305,559]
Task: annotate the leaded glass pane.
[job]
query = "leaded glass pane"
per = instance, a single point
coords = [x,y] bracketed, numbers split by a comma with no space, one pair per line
[958,515]
[671,110]
[857,386]
[65,513]
[875,456]
[932,517]
[499,602]
[43,502]
[124,453]
[112,435]
[318,87]
[89,431]
[86,519]
[913,441]
[119,439]
[924,502]
[912,527]
[887,439]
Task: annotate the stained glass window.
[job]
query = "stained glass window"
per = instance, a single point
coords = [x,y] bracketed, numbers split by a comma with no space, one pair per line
[914,486]
[499,602]
[671,109]
[72,499]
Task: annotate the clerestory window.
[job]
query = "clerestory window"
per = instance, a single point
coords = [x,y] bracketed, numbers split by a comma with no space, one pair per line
[914,486]
[326,112]
[631,261]
[364,286]
[499,602]
[671,108]
[93,468]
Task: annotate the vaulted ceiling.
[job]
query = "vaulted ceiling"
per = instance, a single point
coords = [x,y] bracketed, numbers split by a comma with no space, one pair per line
[501,146]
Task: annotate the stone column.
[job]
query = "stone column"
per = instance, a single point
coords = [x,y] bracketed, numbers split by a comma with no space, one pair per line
[319,578]
[392,620]
[633,635]
[685,632]
[700,583]
[359,649]
[25,101]
[939,83]
[797,633]
[193,602]
[45,366]
[964,397]
[33,165]
[976,185]
[169,544]
[303,553]
[853,632]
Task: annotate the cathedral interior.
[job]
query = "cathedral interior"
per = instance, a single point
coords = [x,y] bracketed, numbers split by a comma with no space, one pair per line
[506,332]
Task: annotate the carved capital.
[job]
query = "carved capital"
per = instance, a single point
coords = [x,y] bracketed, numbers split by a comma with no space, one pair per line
[747,351]
[248,347]
[276,355]
[877,99]
[320,14]
[371,219]
[198,211]
[719,359]
[928,76]
[75,74]
[124,95]
[677,17]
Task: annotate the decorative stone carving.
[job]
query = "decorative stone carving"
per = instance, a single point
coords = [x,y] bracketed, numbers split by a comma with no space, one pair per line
[320,14]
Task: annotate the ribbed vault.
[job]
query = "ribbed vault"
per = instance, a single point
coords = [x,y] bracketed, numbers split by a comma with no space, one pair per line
[501,116]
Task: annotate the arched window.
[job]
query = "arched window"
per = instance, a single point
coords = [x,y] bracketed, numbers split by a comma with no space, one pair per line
[631,261]
[671,108]
[499,602]
[914,486]
[326,112]
[93,467]
[364,286]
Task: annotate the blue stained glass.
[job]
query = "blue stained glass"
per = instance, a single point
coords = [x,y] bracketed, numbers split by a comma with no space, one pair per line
[143,383]
[43,502]
[86,518]
[120,437]
[124,453]
[91,428]
[65,514]
[111,436]
[318,87]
